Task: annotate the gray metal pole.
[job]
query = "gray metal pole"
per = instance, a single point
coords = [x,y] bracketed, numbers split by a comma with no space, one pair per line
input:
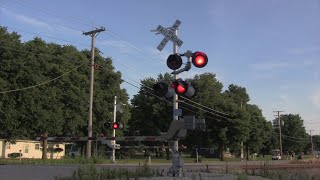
[175,96]
[114,131]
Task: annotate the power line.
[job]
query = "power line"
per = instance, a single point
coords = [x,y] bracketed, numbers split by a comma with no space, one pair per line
[54,13]
[50,37]
[43,83]
[171,102]
[204,106]
[150,88]
[141,51]
[39,19]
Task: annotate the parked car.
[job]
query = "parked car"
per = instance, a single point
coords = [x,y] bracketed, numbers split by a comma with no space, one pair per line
[276,157]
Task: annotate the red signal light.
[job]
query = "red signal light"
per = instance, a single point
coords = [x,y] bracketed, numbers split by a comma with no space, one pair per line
[115,125]
[181,89]
[199,59]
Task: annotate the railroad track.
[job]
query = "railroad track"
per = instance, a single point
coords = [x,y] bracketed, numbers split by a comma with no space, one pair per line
[281,166]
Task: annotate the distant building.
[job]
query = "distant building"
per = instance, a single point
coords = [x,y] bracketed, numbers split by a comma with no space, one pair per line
[31,149]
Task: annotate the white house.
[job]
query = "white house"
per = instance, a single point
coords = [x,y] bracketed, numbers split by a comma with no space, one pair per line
[31,149]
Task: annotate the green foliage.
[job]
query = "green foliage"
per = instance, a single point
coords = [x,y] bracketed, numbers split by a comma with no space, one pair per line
[57,106]
[293,132]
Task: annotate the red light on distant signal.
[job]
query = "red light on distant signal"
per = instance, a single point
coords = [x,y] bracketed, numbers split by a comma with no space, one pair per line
[115,126]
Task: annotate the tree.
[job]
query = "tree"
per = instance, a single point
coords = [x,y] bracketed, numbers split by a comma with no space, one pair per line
[260,131]
[56,98]
[150,114]
[294,136]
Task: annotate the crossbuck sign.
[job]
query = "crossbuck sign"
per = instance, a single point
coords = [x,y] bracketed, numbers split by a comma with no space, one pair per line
[169,34]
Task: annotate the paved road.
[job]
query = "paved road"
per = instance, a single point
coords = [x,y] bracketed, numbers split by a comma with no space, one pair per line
[48,172]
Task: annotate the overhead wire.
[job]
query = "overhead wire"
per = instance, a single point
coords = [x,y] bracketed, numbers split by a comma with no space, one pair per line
[43,20]
[113,34]
[53,12]
[42,83]
[50,37]
[213,113]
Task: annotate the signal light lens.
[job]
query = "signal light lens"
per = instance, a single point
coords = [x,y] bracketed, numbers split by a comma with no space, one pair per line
[181,89]
[160,88]
[199,59]
[174,61]
[115,125]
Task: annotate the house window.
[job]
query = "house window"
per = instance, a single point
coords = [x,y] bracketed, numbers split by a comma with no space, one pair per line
[37,147]
[8,145]
[26,149]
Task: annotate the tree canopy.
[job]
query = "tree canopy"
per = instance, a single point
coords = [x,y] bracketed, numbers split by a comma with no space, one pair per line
[45,88]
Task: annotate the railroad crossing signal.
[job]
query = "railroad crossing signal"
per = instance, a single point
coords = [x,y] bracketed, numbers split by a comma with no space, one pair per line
[116,125]
[182,88]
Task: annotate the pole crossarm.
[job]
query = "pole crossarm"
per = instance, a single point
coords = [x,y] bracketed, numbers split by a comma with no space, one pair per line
[94,31]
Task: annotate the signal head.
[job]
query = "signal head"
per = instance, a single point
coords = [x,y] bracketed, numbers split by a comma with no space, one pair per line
[199,59]
[174,61]
[183,88]
[160,88]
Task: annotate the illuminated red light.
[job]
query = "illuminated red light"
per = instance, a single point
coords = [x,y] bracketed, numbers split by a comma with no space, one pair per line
[115,126]
[181,89]
[199,59]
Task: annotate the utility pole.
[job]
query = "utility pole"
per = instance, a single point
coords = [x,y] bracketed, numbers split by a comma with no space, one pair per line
[93,34]
[311,144]
[241,155]
[279,123]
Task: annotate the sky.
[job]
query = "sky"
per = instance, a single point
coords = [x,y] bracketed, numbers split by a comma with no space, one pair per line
[272,48]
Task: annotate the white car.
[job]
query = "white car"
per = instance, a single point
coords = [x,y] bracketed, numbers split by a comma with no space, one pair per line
[276,157]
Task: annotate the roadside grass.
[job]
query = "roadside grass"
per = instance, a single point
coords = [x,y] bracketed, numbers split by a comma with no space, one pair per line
[136,160]
[91,172]
[284,174]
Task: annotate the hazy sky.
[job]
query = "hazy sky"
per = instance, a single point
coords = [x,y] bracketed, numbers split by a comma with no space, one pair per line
[270,47]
